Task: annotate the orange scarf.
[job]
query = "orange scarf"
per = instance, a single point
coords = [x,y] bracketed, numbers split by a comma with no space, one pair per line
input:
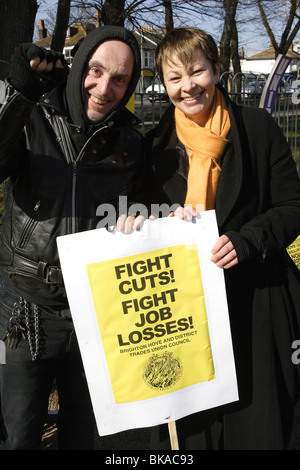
[205,146]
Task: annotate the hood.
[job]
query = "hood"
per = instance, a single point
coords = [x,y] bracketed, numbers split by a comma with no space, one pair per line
[74,86]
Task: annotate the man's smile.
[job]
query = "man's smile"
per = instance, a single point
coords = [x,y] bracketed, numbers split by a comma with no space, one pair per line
[98,100]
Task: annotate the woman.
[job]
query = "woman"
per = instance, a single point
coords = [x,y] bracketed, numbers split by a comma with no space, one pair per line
[208,153]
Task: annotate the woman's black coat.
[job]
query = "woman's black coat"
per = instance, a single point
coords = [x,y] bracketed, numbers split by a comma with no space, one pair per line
[258,207]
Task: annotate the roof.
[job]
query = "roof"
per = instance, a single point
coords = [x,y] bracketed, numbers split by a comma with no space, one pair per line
[270,54]
[79,33]
[147,37]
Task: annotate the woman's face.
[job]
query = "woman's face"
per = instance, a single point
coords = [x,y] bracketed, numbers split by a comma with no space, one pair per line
[191,87]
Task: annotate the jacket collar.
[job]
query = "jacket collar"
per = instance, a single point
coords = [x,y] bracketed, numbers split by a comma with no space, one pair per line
[231,176]
[55,100]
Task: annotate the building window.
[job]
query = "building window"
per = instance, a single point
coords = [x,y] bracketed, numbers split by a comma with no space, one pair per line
[149,59]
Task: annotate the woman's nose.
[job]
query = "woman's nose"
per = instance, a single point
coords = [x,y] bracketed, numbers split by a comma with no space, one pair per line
[187,83]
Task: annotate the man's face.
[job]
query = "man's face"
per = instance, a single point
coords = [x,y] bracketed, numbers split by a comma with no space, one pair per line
[107,78]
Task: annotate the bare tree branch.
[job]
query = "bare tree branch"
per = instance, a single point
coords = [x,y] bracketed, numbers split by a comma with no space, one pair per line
[289,33]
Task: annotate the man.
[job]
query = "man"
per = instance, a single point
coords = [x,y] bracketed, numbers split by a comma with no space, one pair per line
[63,153]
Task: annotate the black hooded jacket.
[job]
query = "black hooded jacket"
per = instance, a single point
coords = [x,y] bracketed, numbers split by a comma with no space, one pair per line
[58,169]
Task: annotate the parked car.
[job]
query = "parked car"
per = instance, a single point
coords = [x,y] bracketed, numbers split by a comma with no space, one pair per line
[291,86]
[253,89]
[156,91]
[287,90]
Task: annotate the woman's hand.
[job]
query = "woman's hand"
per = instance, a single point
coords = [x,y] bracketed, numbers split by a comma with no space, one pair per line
[224,254]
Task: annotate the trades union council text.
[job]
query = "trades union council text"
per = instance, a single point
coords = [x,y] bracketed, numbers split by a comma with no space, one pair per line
[158,345]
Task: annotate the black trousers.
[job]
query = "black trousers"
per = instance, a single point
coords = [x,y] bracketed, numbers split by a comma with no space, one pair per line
[25,384]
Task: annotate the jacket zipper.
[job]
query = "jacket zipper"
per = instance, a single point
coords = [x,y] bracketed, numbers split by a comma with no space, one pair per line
[74,179]
[61,130]
[29,226]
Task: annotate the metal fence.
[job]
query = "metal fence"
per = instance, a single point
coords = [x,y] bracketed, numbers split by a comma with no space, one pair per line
[246,90]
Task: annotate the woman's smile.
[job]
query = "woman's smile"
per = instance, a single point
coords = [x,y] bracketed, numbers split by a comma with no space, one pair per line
[191,86]
[191,99]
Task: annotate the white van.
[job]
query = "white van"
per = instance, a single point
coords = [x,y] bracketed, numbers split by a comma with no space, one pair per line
[156,91]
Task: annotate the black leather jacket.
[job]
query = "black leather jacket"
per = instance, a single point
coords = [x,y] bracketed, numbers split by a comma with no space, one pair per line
[56,176]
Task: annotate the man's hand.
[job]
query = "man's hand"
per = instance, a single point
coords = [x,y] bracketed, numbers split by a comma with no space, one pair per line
[223,253]
[35,71]
[128,223]
[43,66]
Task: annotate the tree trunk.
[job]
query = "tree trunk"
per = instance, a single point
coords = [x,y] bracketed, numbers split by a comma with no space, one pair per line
[61,25]
[236,63]
[113,12]
[230,7]
[169,23]
[235,54]
[16,27]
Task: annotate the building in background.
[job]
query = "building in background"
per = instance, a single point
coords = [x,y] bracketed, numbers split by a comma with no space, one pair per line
[147,38]
[263,62]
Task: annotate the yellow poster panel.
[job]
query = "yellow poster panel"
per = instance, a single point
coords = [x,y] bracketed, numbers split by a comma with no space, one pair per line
[294,252]
[152,318]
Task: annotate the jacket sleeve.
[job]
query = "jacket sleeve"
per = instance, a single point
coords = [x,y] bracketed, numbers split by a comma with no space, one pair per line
[279,224]
[13,116]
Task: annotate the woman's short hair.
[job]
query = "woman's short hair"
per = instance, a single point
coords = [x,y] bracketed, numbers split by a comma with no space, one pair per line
[185,43]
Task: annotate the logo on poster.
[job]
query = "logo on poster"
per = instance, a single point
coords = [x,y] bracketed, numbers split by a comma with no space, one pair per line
[162,371]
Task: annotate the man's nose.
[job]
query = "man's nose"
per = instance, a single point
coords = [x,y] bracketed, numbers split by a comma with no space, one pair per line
[103,85]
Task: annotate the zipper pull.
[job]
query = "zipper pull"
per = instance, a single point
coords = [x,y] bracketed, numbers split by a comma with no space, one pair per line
[36,207]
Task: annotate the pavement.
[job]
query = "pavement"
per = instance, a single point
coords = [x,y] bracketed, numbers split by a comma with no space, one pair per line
[136,439]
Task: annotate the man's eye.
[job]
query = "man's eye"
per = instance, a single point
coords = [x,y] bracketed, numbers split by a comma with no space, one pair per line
[122,80]
[94,71]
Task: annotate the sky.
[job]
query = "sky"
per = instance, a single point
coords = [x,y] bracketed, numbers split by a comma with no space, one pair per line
[253,41]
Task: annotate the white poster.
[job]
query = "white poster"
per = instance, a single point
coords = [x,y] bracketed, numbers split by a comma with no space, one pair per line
[151,317]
